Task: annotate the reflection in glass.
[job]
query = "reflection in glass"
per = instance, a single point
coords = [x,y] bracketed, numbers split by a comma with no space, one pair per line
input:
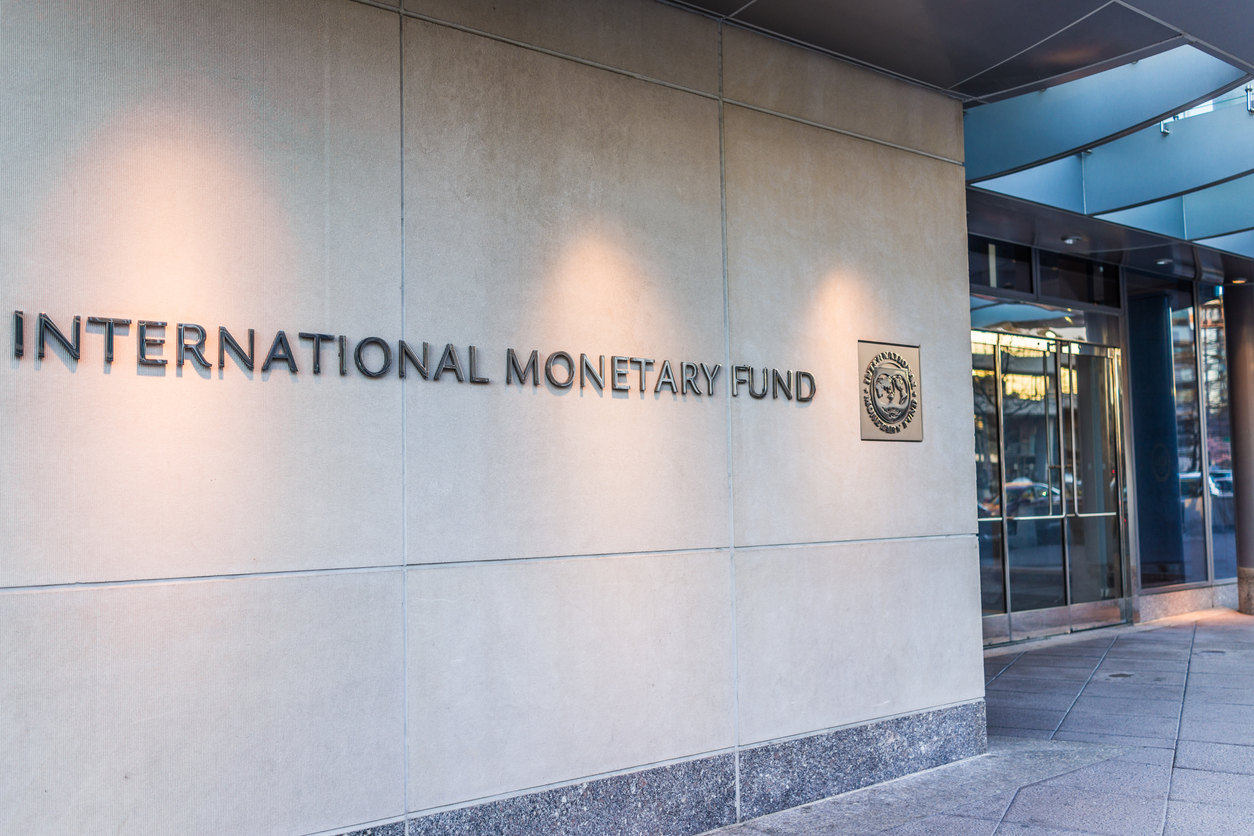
[1000,265]
[1218,431]
[1076,279]
[1034,320]
[987,471]
[1034,503]
[1092,458]
[992,591]
[1167,428]
[1093,543]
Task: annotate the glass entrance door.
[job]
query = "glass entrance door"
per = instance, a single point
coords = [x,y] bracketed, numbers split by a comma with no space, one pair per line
[1049,484]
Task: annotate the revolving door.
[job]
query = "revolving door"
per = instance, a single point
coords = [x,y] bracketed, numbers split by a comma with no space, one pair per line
[1050,485]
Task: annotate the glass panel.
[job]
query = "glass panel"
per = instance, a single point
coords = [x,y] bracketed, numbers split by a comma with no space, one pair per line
[1030,428]
[1033,473]
[998,264]
[987,443]
[992,586]
[1037,574]
[1218,431]
[1036,320]
[1078,279]
[1167,431]
[988,471]
[1093,544]
[1092,458]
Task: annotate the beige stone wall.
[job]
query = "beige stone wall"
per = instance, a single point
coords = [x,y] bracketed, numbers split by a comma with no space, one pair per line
[237,602]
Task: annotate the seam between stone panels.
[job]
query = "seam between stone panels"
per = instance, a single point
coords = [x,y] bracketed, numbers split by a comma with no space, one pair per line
[843,132]
[731,484]
[662,82]
[470,30]
[1083,688]
[339,570]
[1005,668]
[801,544]
[1171,776]
[292,573]
[400,29]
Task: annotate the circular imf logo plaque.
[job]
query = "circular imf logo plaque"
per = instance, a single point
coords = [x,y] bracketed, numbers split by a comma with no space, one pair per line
[889,392]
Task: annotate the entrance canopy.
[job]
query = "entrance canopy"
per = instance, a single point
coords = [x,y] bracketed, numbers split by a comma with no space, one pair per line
[1133,113]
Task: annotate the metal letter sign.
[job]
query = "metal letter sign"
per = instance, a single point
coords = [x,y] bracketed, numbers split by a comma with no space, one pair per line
[889,392]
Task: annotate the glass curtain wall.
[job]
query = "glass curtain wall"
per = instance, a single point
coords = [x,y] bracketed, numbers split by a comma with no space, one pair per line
[1218,431]
[1167,431]
[1180,438]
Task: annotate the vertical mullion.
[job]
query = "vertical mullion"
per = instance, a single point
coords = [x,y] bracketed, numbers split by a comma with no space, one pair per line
[1199,369]
[1001,478]
[1067,459]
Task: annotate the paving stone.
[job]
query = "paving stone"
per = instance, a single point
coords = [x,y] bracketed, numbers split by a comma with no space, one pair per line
[1119,777]
[1212,731]
[1219,713]
[1224,696]
[1162,757]
[1026,699]
[1052,660]
[1074,808]
[1133,688]
[1215,757]
[1091,704]
[1155,654]
[1184,818]
[1120,724]
[1168,743]
[1112,663]
[1221,680]
[1034,671]
[1087,651]
[993,807]
[1221,788]
[1024,718]
[1010,731]
[1020,829]
[1010,681]
[1139,676]
[944,826]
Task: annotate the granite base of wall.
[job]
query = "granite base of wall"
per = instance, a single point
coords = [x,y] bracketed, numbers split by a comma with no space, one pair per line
[1167,604]
[396,828]
[676,800]
[695,796]
[777,776]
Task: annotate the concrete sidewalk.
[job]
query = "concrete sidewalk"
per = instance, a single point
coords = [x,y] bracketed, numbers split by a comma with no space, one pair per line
[1134,731]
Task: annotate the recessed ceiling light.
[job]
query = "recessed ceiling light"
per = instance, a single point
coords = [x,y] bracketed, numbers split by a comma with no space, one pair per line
[1163,262]
[1071,239]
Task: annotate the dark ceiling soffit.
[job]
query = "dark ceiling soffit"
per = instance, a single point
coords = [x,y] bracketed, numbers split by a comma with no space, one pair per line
[849,59]
[1098,39]
[1000,137]
[1075,75]
[1006,218]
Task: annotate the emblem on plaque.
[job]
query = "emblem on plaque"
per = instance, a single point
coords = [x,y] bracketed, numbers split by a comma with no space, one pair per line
[890,392]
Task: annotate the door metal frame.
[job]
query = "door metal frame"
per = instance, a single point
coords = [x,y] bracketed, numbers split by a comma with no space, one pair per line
[1115,371]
